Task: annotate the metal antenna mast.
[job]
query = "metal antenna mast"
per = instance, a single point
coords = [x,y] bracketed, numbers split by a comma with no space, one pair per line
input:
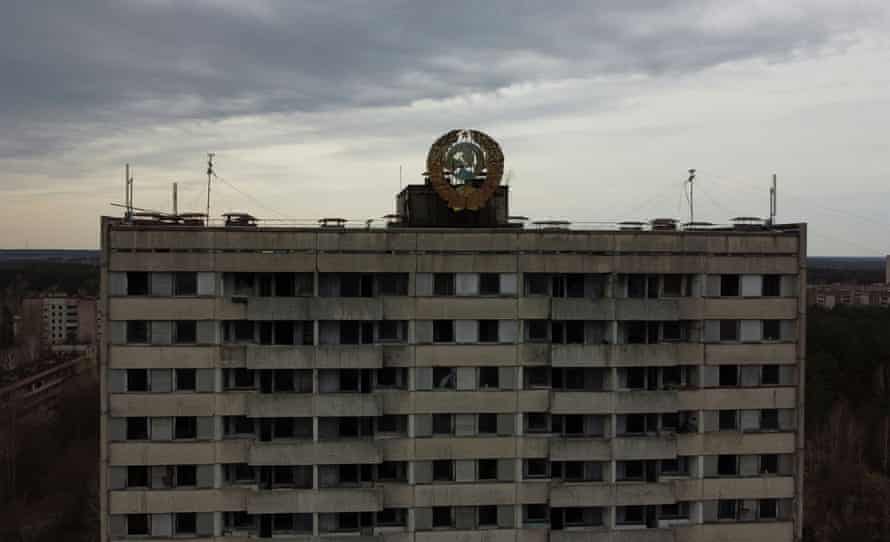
[175,200]
[210,174]
[691,195]
[772,202]
[128,193]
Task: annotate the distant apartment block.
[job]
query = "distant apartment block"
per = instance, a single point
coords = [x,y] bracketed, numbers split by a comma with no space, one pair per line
[832,295]
[59,319]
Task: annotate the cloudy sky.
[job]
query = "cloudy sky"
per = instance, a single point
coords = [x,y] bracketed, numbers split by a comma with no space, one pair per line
[312,107]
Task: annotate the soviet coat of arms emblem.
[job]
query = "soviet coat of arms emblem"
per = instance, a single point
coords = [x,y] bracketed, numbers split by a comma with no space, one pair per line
[465,168]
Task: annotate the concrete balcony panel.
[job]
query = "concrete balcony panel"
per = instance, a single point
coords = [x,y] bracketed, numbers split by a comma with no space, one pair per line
[206,239]
[628,493]
[282,501]
[279,357]
[398,356]
[377,240]
[769,265]
[645,401]
[346,451]
[163,357]
[737,398]
[533,446]
[178,453]
[750,353]
[658,264]
[732,442]
[534,353]
[281,405]
[466,263]
[532,492]
[569,449]
[279,308]
[452,308]
[397,495]
[625,448]
[220,263]
[178,404]
[647,309]
[717,308]
[346,308]
[781,531]
[427,402]
[174,308]
[482,535]
[468,494]
[583,308]
[733,488]
[532,535]
[464,355]
[464,448]
[592,534]
[365,356]
[535,308]
[626,355]
[366,263]
[533,400]
[565,263]
[581,402]
[644,535]
[399,307]
[586,494]
[162,501]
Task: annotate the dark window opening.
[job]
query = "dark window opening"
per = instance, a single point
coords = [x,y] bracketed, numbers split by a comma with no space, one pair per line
[185,427]
[244,331]
[728,420]
[392,284]
[137,524]
[284,332]
[772,330]
[443,331]
[185,332]
[636,378]
[443,284]
[488,377]
[137,331]
[444,378]
[729,375]
[137,476]
[488,424]
[537,468]
[672,285]
[574,332]
[442,424]
[727,465]
[767,509]
[488,469]
[769,464]
[137,283]
[729,285]
[186,522]
[244,283]
[488,516]
[726,509]
[636,286]
[769,375]
[186,476]
[186,379]
[537,330]
[389,330]
[537,284]
[489,284]
[284,284]
[443,470]
[137,379]
[772,285]
[488,331]
[537,377]
[185,283]
[442,516]
[769,419]
[137,428]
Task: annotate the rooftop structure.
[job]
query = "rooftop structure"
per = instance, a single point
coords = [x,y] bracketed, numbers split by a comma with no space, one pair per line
[453,375]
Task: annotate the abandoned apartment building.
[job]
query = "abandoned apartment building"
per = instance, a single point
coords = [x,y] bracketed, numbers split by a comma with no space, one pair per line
[446,378]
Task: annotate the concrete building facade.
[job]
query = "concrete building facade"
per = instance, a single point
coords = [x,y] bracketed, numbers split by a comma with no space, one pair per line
[423,385]
[60,319]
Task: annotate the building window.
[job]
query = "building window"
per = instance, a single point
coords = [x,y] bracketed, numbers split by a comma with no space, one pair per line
[244,331]
[185,332]
[536,468]
[443,331]
[185,284]
[488,377]
[443,424]
[767,509]
[185,427]
[729,375]
[772,285]
[537,331]
[137,379]
[389,331]
[137,428]
[729,285]
[137,283]
[728,420]
[489,283]
[488,331]
[443,470]
[185,379]
[186,476]
[443,284]
[487,516]
[137,476]
[769,464]
[535,514]
[137,331]
[137,525]
[537,284]
[769,375]
[186,523]
[390,517]
[727,465]
[442,517]
[444,378]
[729,330]
[392,284]
[488,469]
[769,419]
[726,509]
[537,422]
[672,285]
[772,330]
[487,424]
[536,377]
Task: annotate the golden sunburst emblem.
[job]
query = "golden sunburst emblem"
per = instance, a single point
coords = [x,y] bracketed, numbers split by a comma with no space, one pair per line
[465,168]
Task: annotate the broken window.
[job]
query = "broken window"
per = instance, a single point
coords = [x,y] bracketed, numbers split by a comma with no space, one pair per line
[536,468]
[186,476]
[244,330]
[185,331]
[727,465]
[729,375]
[772,285]
[767,509]
[487,424]
[574,285]
[185,283]
[137,379]
[537,284]
[769,419]
[244,284]
[772,330]
[137,283]
[728,420]
[443,284]
[185,427]
[636,286]
[726,509]
[489,283]
[535,513]
[443,331]
[137,524]
[444,378]
[487,469]
[769,464]
[488,331]
[769,375]
[673,332]
[137,476]
[488,516]
[537,422]
[392,283]
[389,330]
[537,330]
[137,428]
[137,331]
[443,470]
[442,516]
[185,379]
[574,332]
[443,424]
[488,377]
[636,378]
[729,330]
[672,285]
[729,285]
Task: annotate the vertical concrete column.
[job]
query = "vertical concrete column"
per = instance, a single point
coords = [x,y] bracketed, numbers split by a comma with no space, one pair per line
[315,524]
[409,520]
[217,524]
[217,476]
[218,380]
[611,516]
[314,428]
[696,512]
[613,377]
[314,476]
[411,429]
[217,428]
